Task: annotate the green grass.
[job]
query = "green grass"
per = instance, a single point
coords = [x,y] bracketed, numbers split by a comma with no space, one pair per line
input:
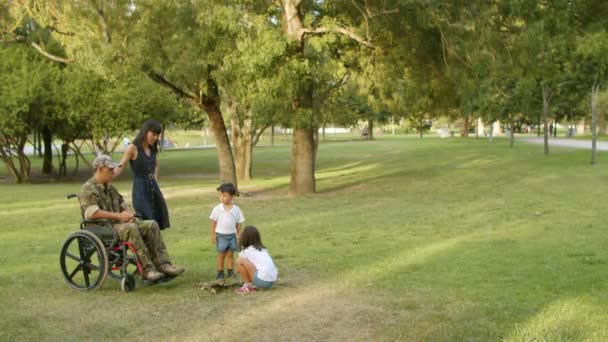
[588,136]
[407,239]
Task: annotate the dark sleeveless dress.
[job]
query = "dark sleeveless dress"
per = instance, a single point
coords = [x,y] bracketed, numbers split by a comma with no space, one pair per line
[148,201]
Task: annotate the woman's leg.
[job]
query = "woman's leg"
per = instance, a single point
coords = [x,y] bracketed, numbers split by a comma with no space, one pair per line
[246,268]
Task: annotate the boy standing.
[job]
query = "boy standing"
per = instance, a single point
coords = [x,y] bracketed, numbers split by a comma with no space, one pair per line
[226,219]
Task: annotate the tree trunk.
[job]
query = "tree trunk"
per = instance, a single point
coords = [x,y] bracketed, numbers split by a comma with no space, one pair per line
[13,147]
[324,124]
[491,135]
[222,144]
[602,123]
[315,139]
[63,168]
[302,151]
[10,167]
[538,126]
[47,163]
[78,151]
[77,160]
[370,132]
[302,162]
[38,145]
[594,90]
[512,136]
[272,136]
[7,157]
[242,142]
[555,128]
[24,161]
[243,153]
[465,127]
[204,136]
[34,141]
[546,94]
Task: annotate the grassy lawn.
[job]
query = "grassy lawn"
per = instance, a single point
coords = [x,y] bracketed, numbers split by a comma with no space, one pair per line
[408,239]
[588,136]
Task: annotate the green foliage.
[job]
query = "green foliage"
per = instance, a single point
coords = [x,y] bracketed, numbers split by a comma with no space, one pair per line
[358,60]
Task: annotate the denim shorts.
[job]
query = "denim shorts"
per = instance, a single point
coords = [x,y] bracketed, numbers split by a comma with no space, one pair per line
[261,284]
[225,242]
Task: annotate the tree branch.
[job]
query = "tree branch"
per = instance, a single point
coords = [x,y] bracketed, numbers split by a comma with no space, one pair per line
[52,28]
[51,56]
[162,80]
[365,16]
[102,22]
[256,136]
[340,30]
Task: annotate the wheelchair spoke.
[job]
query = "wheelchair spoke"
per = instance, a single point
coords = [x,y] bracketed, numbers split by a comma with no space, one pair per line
[91,266]
[90,254]
[86,278]
[72,256]
[71,276]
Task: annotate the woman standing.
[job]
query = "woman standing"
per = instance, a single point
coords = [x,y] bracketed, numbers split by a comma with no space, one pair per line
[148,201]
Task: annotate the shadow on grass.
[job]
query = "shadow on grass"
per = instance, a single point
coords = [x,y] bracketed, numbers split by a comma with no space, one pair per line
[491,286]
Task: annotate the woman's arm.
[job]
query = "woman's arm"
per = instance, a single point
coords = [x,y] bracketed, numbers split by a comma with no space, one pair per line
[156,170]
[129,152]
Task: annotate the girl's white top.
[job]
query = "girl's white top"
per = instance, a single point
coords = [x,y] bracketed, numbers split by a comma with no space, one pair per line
[267,271]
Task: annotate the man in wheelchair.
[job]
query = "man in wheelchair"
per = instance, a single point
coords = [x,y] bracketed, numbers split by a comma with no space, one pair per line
[100,200]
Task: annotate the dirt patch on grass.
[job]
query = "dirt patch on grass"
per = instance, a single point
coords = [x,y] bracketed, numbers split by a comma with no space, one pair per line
[293,313]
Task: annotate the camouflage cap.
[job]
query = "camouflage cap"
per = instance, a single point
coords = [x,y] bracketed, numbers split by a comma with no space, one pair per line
[104,160]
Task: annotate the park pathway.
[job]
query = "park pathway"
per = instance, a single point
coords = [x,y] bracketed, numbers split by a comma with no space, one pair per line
[563,142]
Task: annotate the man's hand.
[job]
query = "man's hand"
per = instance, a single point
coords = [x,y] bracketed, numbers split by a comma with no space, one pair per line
[213,239]
[126,216]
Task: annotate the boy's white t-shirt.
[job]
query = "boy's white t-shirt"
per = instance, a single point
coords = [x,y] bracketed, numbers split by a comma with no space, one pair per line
[226,220]
[267,271]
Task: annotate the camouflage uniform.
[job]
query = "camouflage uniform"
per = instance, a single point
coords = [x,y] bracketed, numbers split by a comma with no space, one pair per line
[144,235]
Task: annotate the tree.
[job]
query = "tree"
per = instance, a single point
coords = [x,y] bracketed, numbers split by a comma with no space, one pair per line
[29,99]
[250,87]
[592,50]
[301,22]
[178,45]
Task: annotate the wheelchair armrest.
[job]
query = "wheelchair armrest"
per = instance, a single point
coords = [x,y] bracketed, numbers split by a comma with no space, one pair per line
[97,221]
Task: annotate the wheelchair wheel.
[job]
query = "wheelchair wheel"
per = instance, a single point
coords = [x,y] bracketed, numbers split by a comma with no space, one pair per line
[84,261]
[127,283]
[122,262]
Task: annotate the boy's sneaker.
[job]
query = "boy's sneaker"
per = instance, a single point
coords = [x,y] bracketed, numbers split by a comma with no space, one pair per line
[230,275]
[245,289]
[220,277]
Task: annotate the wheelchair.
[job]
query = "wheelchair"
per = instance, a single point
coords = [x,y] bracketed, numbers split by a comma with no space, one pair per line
[93,253]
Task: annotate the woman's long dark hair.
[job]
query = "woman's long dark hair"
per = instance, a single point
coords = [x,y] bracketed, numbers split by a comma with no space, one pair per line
[149,125]
[251,237]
